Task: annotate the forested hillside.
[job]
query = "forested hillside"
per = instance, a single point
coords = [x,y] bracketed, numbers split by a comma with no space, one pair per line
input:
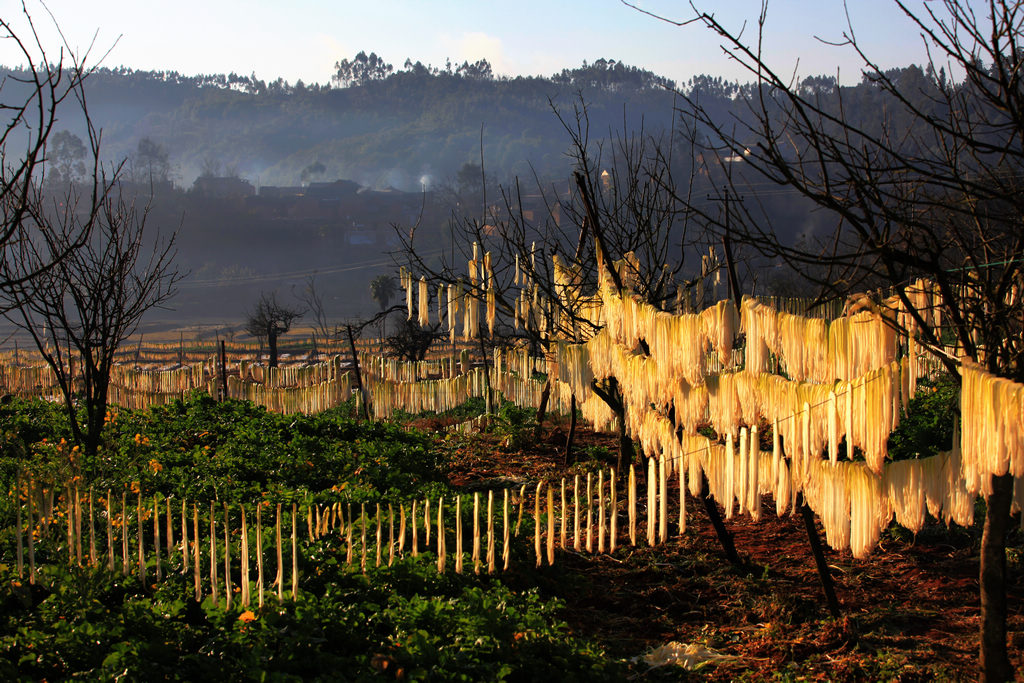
[400,128]
[418,124]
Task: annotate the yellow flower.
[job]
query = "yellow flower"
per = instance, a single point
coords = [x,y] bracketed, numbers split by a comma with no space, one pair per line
[247,616]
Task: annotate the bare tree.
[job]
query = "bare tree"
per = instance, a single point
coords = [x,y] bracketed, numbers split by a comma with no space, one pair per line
[931,189]
[32,97]
[411,341]
[75,270]
[313,299]
[79,303]
[543,246]
[269,320]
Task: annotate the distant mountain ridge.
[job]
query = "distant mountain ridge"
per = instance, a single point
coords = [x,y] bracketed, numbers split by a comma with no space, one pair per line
[401,129]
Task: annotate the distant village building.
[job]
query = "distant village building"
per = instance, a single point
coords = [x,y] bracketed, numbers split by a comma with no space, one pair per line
[216,187]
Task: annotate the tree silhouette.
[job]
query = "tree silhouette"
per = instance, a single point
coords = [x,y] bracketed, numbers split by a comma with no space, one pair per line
[382,290]
[360,70]
[49,87]
[268,320]
[82,309]
[150,162]
[66,156]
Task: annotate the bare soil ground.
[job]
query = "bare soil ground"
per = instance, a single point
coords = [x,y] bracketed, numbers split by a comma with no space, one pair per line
[909,612]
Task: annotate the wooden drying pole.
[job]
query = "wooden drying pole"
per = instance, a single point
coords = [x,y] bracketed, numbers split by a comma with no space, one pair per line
[488,408]
[223,371]
[359,376]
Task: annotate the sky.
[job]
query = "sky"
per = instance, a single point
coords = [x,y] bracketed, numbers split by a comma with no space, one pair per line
[302,39]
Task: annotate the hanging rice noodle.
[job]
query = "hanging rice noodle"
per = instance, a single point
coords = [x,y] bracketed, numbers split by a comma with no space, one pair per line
[992,438]
[492,310]
[409,294]
[453,309]
[424,309]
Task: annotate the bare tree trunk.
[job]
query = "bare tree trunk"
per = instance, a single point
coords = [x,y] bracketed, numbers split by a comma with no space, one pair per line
[724,537]
[272,349]
[994,661]
[223,371]
[542,410]
[363,395]
[569,459]
[626,451]
[488,408]
[611,396]
[824,574]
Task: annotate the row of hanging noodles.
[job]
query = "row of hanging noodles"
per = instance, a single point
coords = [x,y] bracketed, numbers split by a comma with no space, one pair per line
[992,410]
[572,367]
[525,393]
[810,349]
[531,309]
[398,370]
[815,349]
[926,298]
[179,380]
[200,350]
[519,360]
[597,413]
[679,342]
[416,397]
[854,503]
[863,411]
[445,394]
[28,380]
[136,399]
[481,289]
[457,298]
[291,375]
[302,399]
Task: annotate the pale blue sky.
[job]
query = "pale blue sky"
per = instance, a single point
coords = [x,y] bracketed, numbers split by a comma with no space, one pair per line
[303,38]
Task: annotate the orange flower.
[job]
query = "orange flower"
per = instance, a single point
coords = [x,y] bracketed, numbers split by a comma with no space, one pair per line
[135,487]
[247,616]
[155,466]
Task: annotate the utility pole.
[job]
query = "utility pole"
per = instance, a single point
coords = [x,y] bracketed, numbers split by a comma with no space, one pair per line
[730,264]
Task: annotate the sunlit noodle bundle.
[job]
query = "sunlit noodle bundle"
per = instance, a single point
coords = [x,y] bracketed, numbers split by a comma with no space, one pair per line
[719,325]
[992,427]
